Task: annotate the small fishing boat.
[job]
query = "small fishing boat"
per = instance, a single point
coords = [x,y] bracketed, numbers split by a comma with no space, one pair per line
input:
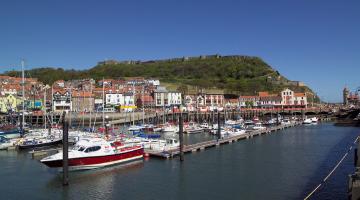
[92,153]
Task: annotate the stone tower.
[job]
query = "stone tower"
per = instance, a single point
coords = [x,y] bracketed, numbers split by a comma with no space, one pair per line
[345,96]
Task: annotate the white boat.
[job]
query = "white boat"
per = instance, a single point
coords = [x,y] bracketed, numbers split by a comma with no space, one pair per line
[236,132]
[165,145]
[271,122]
[286,121]
[258,126]
[135,128]
[314,119]
[10,134]
[193,128]
[5,143]
[170,128]
[91,153]
[223,131]
[205,125]
[307,121]
[230,122]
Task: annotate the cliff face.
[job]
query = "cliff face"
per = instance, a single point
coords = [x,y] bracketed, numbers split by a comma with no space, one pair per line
[233,74]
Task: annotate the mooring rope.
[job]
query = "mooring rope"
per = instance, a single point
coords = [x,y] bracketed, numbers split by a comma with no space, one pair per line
[332,171]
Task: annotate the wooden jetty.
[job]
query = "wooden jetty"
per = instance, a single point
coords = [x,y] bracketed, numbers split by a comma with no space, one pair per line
[213,143]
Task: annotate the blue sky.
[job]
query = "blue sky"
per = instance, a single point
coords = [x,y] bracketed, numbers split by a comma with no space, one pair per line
[317,42]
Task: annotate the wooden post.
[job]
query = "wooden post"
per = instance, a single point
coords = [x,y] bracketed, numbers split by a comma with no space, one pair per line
[303,114]
[219,128]
[65,152]
[181,137]
[21,125]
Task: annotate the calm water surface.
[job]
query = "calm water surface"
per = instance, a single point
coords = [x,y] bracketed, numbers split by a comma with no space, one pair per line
[287,164]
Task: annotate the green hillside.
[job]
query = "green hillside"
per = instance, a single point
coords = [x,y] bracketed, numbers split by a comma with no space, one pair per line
[232,74]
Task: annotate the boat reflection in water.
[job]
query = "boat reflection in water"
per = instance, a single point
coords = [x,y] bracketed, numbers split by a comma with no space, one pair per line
[106,180]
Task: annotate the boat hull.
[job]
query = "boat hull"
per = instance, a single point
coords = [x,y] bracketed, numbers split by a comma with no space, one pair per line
[84,163]
[10,135]
[47,144]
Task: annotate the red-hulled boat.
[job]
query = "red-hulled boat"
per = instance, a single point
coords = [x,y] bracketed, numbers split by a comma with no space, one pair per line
[91,153]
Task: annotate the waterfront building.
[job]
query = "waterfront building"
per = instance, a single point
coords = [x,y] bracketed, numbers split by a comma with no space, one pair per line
[291,99]
[249,101]
[144,100]
[164,98]
[287,98]
[214,99]
[114,99]
[82,101]
[270,101]
[8,103]
[62,101]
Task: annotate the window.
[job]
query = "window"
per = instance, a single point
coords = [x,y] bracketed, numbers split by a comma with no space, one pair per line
[92,149]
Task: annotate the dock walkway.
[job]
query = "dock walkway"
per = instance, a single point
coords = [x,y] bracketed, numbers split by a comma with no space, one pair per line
[213,143]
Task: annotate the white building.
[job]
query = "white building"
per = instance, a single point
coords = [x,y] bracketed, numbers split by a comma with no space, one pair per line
[165,98]
[154,82]
[290,98]
[126,100]
[114,99]
[287,97]
[62,101]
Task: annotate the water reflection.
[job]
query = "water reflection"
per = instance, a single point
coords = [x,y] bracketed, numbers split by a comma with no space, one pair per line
[93,184]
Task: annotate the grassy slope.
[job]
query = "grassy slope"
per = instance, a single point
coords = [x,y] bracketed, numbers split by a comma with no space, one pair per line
[238,74]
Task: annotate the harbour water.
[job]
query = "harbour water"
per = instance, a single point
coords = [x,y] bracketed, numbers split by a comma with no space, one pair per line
[286,164]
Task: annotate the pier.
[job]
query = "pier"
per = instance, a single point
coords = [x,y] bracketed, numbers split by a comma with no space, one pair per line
[214,143]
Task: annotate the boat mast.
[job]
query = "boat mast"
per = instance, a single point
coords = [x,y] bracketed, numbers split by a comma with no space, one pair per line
[90,103]
[45,114]
[143,101]
[23,91]
[133,108]
[103,104]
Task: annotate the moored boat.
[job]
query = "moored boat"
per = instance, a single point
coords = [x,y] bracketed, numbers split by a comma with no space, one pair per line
[314,119]
[307,121]
[10,134]
[193,128]
[5,143]
[39,142]
[91,153]
[258,126]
